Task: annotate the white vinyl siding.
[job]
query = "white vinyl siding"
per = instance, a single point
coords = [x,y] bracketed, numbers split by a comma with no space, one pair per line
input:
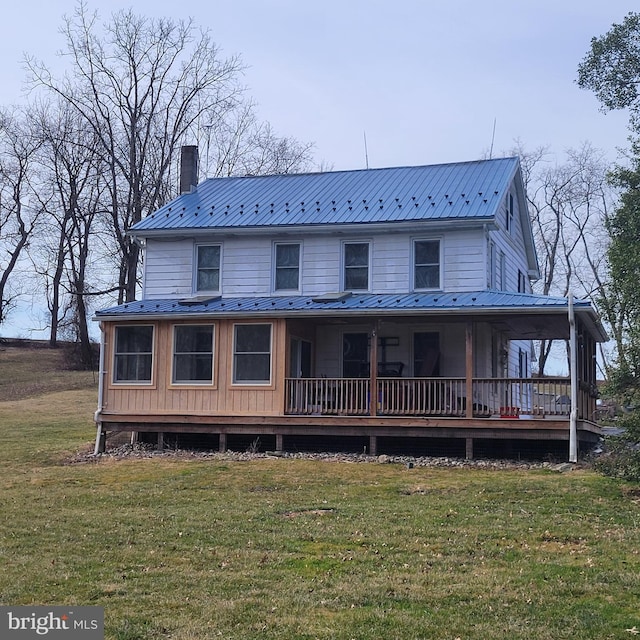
[391,264]
[168,269]
[247,267]
[320,266]
[463,261]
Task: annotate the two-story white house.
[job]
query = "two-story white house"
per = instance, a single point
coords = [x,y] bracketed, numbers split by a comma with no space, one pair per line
[373,304]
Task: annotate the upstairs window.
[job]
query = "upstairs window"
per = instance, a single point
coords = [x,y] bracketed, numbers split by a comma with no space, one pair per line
[522,282]
[502,270]
[193,354]
[133,354]
[356,266]
[509,212]
[252,354]
[426,264]
[287,267]
[208,267]
[493,262]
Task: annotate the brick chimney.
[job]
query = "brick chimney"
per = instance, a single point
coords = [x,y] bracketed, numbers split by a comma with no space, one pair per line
[188,168]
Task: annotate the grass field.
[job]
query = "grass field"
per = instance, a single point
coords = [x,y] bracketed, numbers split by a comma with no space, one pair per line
[181,548]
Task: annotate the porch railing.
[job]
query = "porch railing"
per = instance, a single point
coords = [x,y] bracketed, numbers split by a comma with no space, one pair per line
[492,397]
[327,396]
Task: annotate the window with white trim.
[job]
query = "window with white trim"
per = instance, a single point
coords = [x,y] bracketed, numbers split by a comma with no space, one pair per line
[208,267]
[133,354]
[493,262]
[522,282]
[502,270]
[193,354]
[252,354]
[426,264]
[356,266]
[509,212]
[287,267]
[523,363]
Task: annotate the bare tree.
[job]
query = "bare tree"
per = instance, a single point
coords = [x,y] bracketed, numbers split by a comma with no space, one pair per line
[18,215]
[244,146]
[142,85]
[568,203]
[71,189]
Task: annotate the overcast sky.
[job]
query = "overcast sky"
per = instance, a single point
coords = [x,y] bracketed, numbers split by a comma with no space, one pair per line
[424,80]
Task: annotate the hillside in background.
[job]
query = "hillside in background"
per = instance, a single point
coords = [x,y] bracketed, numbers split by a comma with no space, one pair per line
[30,368]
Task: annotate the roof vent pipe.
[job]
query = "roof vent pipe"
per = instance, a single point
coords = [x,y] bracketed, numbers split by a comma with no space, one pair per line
[188,168]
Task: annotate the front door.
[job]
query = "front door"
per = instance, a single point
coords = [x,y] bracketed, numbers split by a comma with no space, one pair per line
[426,354]
[355,355]
[300,358]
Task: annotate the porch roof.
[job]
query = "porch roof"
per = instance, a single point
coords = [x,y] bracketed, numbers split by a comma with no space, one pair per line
[519,315]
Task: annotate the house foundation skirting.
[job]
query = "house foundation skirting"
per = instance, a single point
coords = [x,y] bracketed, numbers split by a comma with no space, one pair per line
[336,427]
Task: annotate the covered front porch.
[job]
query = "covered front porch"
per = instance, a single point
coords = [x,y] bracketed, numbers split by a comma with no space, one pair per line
[467,375]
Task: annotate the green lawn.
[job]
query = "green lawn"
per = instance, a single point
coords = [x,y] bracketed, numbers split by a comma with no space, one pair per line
[272,548]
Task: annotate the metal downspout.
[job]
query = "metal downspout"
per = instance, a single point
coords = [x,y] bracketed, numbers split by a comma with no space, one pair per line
[99,447]
[573,366]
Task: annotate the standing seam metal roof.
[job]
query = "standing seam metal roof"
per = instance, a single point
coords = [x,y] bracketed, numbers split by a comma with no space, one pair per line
[370,302]
[463,190]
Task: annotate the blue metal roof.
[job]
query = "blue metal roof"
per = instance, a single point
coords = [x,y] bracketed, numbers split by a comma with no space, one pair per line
[356,303]
[463,190]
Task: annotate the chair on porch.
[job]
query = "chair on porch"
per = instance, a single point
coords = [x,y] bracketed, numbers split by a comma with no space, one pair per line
[390,369]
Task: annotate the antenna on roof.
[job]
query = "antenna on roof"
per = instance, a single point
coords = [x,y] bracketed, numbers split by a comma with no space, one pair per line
[493,137]
[366,152]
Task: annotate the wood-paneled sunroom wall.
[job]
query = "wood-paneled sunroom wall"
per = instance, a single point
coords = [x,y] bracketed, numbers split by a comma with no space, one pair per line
[222,397]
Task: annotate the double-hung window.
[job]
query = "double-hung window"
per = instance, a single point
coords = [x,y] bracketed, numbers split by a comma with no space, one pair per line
[426,264]
[356,266]
[208,267]
[287,267]
[509,212]
[193,354]
[522,282]
[252,354]
[133,354]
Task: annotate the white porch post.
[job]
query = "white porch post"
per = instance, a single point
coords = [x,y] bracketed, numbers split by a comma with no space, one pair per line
[469,369]
[573,365]
[373,372]
[100,434]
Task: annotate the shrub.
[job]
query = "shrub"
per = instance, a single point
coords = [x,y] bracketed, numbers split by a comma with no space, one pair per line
[622,457]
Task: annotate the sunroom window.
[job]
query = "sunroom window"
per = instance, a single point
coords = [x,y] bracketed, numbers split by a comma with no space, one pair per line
[252,354]
[133,354]
[208,267]
[193,354]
